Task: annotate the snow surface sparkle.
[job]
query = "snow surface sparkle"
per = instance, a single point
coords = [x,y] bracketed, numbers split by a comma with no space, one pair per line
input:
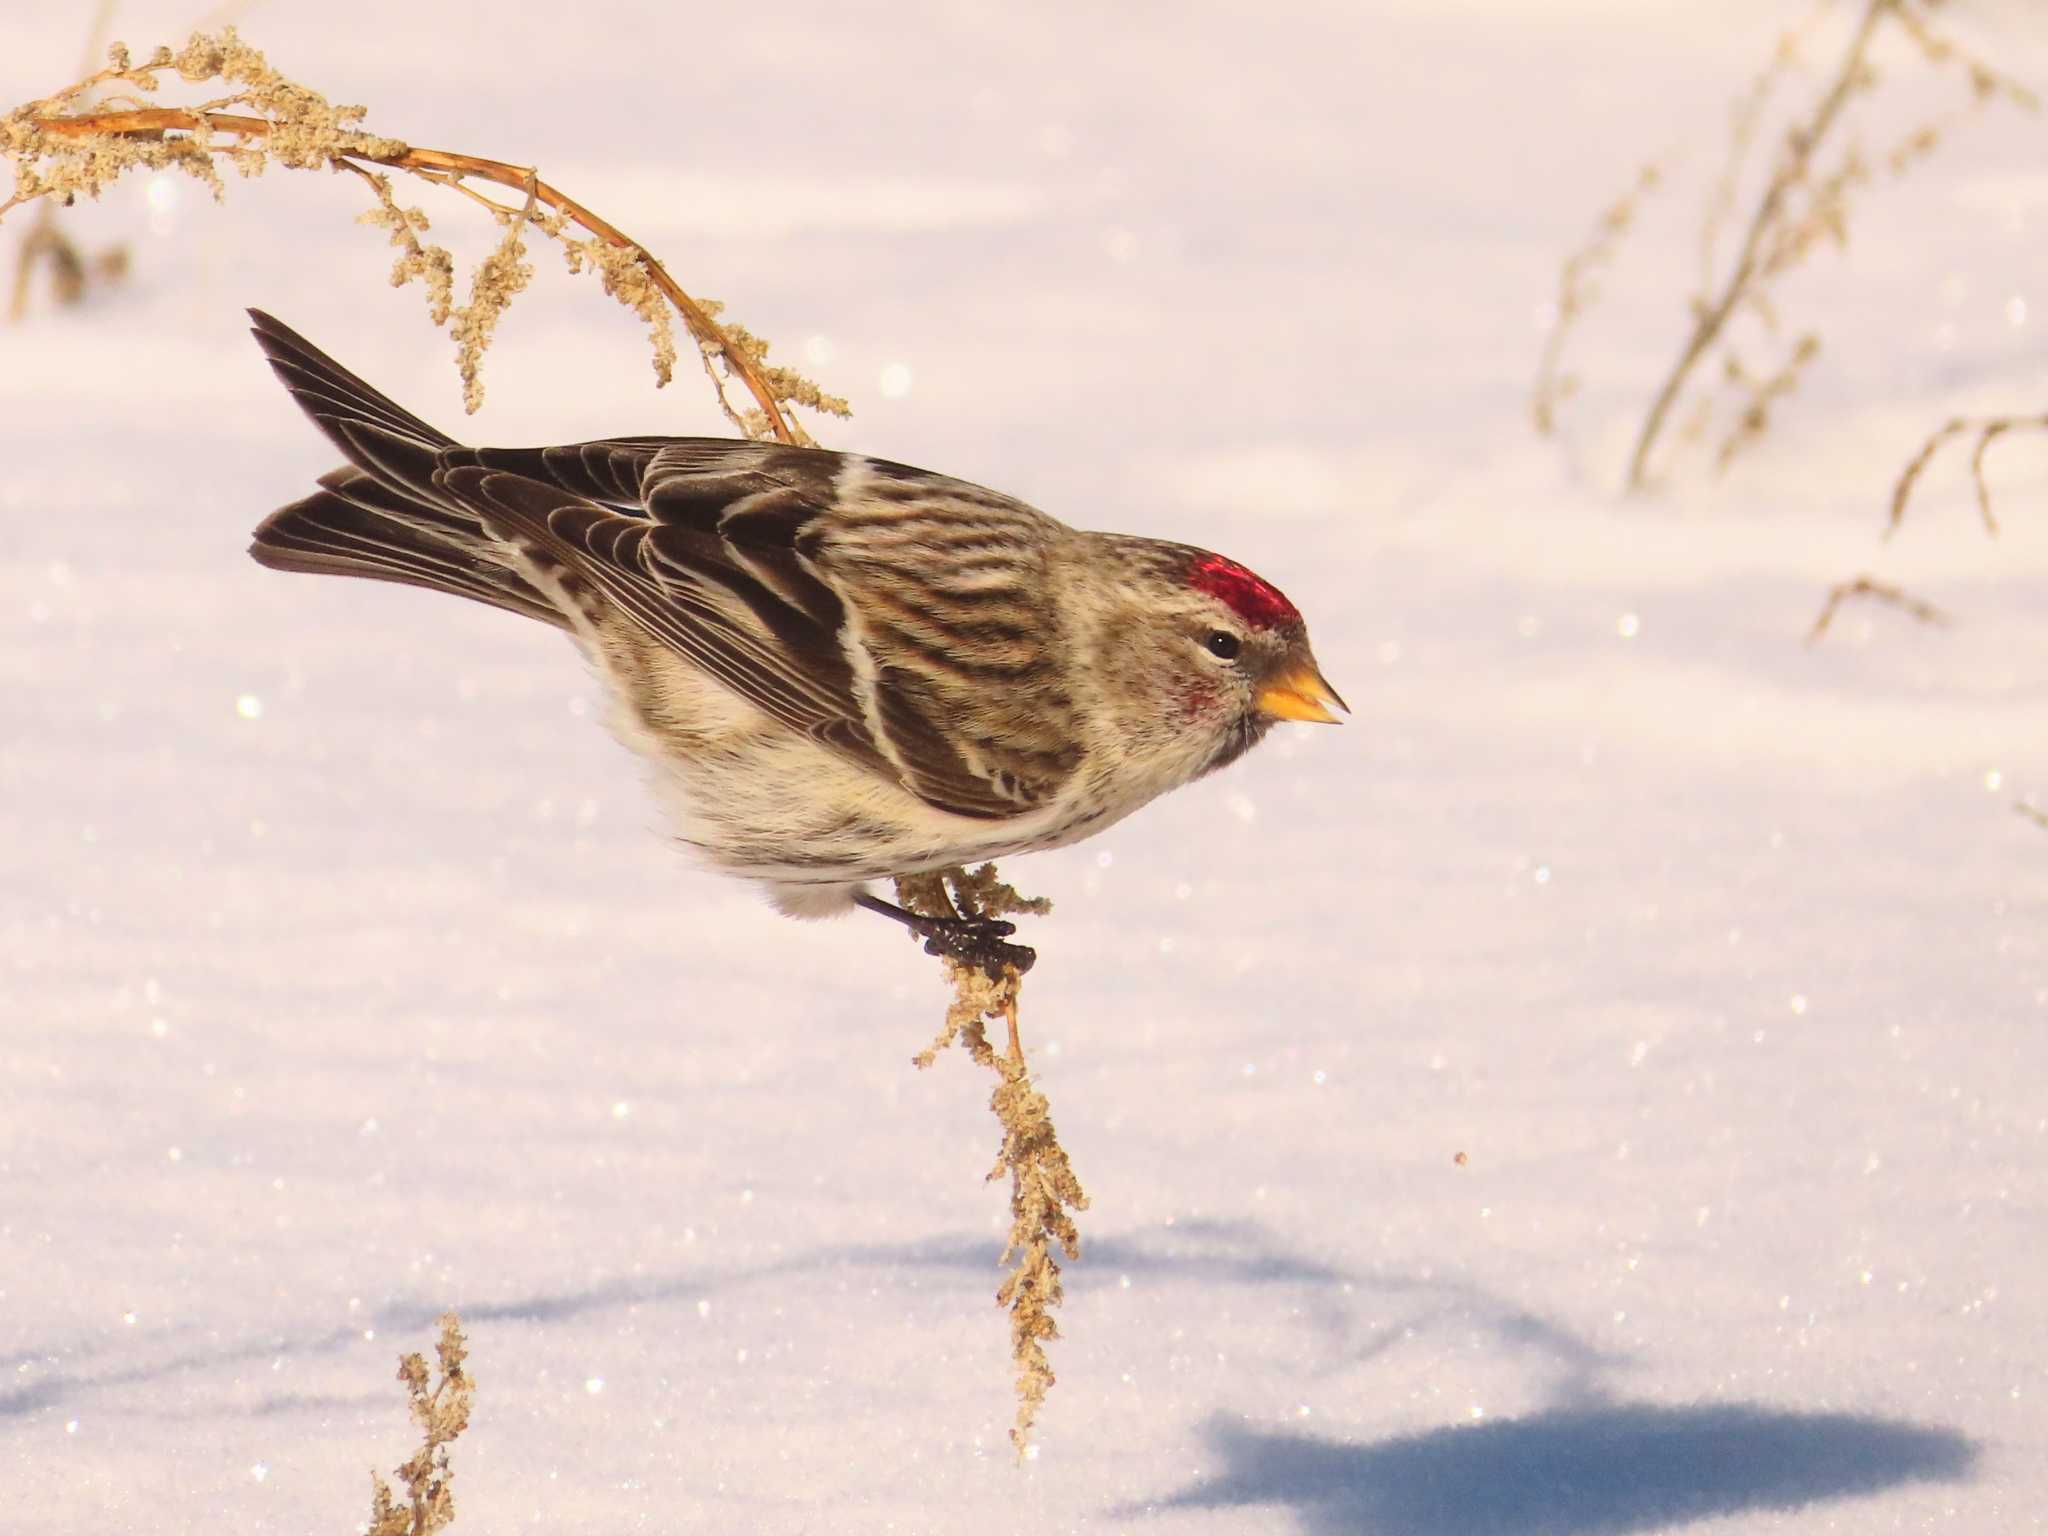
[347,978]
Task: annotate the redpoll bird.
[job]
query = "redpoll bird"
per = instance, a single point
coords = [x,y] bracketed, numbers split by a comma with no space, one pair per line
[842,669]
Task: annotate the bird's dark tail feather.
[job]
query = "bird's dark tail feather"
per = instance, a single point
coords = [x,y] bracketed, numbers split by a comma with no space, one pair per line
[382,517]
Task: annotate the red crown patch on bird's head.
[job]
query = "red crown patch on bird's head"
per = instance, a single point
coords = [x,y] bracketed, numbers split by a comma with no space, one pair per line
[1252,598]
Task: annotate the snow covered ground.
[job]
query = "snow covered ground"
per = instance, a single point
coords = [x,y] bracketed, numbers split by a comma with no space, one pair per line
[345,976]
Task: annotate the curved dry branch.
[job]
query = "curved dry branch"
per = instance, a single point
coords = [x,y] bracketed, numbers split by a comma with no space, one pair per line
[1988,430]
[156,122]
[59,152]
[1878,591]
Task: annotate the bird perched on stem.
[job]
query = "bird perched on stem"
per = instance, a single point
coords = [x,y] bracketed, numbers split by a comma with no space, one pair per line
[843,669]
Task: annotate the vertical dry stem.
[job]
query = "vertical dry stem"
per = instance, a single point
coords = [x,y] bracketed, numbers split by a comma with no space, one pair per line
[1793,162]
[1576,292]
[1043,1189]
[71,272]
[441,1410]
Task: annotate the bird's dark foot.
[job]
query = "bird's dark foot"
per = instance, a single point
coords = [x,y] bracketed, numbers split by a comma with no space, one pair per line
[975,941]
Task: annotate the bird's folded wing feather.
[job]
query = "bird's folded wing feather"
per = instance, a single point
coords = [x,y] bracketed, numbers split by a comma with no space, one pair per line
[722,551]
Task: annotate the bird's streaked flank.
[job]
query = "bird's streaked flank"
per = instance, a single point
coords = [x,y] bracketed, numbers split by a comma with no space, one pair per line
[843,669]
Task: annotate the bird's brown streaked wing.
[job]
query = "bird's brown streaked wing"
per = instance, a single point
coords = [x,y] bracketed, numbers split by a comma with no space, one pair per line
[766,523]
[713,548]
[610,471]
[948,583]
[752,510]
[609,550]
[702,611]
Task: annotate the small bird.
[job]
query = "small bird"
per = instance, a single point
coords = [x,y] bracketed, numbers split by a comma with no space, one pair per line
[841,669]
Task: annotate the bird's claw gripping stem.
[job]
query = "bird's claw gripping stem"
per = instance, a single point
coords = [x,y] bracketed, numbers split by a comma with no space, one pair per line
[975,941]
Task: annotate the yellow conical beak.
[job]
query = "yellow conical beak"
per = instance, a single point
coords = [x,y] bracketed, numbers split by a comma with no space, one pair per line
[1300,693]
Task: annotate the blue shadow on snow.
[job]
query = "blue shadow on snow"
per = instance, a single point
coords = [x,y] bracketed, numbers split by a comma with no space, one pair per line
[1572,1472]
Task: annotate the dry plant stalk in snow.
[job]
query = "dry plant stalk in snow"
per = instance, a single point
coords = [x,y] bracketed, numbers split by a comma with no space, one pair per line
[1576,293]
[266,119]
[441,1410]
[1987,430]
[1043,1189]
[1804,205]
[1877,591]
[73,274]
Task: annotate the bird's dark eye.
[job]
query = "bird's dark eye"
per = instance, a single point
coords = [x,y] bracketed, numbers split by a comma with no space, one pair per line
[1223,643]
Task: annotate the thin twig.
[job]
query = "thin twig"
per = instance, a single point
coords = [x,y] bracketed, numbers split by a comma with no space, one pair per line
[1991,433]
[1576,291]
[1880,591]
[1988,430]
[1744,120]
[44,238]
[1800,145]
[156,122]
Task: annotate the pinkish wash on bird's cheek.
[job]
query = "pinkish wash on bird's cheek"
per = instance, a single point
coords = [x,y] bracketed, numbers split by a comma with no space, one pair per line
[1193,700]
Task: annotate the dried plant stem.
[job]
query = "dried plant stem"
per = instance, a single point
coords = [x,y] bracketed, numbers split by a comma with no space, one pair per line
[1043,1189]
[1755,417]
[1710,320]
[59,150]
[1576,292]
[155,122]
[1802,207]
[1988,429]
[1879,591]
[46,242]
[1744,121]
[441,1411]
